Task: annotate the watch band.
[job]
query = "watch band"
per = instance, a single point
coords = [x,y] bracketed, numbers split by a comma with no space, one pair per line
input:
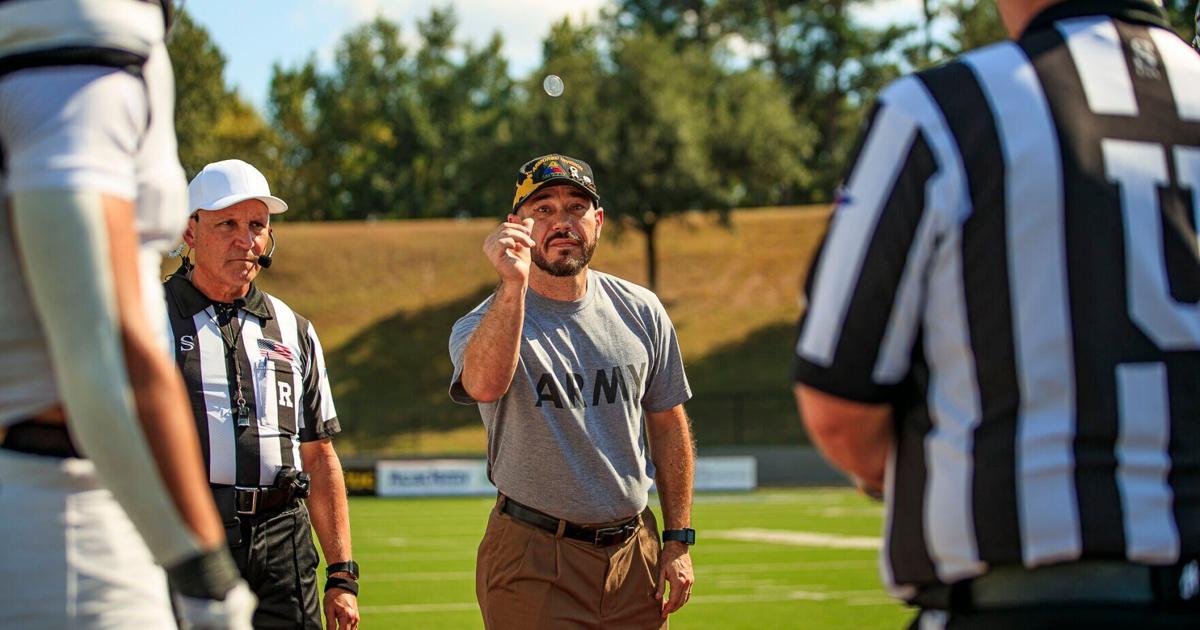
[348,566]
[686,535]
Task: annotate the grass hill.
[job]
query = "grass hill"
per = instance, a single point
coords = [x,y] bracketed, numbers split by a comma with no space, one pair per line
[384,295]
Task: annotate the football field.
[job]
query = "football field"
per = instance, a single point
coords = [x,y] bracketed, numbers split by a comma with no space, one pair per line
[803,558]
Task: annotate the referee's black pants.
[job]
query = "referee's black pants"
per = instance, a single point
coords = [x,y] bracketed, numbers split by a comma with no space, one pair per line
[278,560]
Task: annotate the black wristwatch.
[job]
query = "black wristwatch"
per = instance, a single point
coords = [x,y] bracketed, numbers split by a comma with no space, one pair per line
[686,536]
[349,566]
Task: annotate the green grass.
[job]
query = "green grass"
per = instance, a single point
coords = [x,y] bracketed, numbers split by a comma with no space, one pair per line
[384,295]
[418,559]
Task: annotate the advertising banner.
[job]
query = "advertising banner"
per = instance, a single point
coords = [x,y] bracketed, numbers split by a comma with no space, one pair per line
[468,477]
[435,477]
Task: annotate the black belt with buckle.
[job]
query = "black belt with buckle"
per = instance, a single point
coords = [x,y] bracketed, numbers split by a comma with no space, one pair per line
[251,501]
[39,438]
[599,536]
[1111,582]
[254,501]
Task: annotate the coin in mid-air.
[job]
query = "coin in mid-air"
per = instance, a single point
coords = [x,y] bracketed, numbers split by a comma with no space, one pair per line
[553,84]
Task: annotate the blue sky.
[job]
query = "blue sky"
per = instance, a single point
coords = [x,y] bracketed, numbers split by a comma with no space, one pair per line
[254,34]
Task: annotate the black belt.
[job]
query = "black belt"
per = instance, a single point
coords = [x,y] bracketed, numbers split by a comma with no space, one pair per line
[1084,582]
[599,536]
[40,438]
[252,501]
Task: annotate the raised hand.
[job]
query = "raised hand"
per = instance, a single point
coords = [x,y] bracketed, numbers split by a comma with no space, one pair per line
[507,247]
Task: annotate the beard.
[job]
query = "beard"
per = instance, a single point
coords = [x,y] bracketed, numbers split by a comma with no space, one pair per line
[568,265]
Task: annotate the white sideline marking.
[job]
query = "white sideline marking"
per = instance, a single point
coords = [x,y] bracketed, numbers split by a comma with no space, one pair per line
[420,608]
[410,556]
[799,539]
[854,598]
[431,576]
[860,597]
[823,496]
[771,567]
[812,596]
[736,570]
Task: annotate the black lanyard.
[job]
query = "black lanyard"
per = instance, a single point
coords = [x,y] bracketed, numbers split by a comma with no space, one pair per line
[226,315]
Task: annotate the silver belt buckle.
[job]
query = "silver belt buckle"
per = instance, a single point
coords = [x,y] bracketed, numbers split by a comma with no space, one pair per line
[602,532]
[620,530]
[254,495]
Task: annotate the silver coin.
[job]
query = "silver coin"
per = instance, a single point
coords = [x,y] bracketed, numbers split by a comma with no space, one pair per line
[553,84]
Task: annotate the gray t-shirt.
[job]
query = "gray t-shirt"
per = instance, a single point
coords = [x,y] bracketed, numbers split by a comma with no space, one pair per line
[567,437]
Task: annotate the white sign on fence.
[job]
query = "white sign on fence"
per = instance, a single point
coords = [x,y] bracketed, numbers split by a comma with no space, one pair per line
[436,477]
[726,473]
[468,477]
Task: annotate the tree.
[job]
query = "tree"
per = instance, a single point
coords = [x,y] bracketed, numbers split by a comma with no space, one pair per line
[304,159]
[687,21]
[667,128]
[402,133]
[365,137]
[212,122]
[830,65]
[464,123]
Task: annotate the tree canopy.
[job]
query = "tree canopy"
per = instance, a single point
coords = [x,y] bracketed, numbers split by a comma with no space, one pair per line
[678,105]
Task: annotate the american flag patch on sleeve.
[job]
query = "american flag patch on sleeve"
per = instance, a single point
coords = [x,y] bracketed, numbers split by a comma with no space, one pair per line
[275,350]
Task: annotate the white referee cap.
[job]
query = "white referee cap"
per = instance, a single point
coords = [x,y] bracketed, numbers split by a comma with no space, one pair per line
[222,184]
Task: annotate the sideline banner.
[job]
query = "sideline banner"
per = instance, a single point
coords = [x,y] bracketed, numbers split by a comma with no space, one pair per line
[468,477]
[434,477]
[738,472]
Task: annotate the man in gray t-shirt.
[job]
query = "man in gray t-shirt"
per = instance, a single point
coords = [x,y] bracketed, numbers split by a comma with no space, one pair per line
[569,368]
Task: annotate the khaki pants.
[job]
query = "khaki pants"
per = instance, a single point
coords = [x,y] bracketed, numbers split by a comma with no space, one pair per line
[527,577]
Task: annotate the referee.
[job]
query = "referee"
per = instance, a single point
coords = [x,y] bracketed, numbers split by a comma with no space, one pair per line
[1003,329]
[260,395]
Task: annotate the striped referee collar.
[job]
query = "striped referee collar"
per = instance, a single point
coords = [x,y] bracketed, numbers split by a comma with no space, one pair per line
[189,300]
[1138,11]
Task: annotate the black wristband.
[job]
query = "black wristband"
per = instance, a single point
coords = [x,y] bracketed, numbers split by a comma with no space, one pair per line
[348,566]
[342,583]
[208,575]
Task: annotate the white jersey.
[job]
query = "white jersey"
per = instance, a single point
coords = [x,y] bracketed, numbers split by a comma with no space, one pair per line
[92,128]
[27,26]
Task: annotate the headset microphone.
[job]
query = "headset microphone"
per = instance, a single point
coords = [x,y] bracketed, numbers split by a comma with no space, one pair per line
[265,261]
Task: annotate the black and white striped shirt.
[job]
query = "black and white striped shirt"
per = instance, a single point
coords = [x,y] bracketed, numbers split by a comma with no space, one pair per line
[1013,265]
[283,381]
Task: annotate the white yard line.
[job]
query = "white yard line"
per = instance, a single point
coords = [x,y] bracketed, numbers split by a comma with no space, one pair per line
[815,497]
[856,598]
[733,570]
[433,556]
[796,538]
[420,608]
[714,570]
[429,576]
[789,566]
[796,595]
